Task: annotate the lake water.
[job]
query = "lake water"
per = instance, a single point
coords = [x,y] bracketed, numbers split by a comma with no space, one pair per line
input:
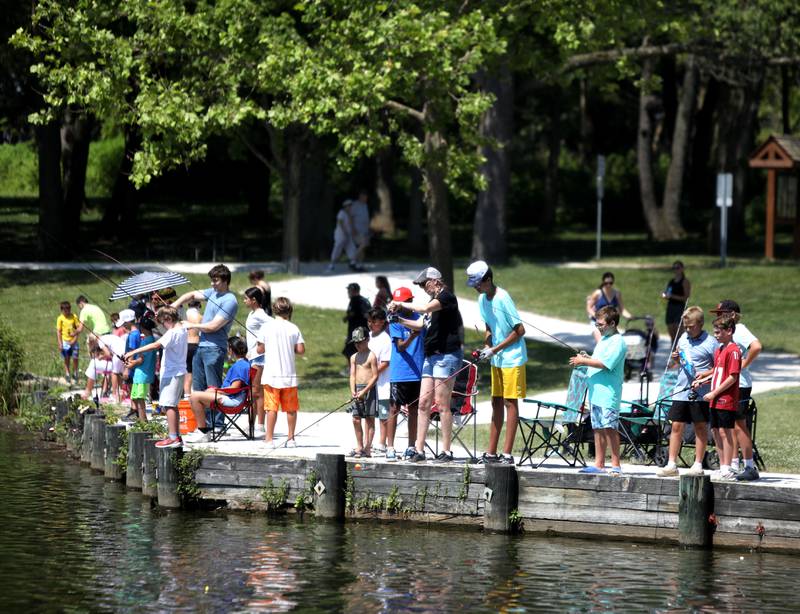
[70,541]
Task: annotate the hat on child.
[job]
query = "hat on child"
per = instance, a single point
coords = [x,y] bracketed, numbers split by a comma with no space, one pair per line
[354,286]
[402,294]
[126,315]
[359,335]
[426,274]
[476,272]
[726,306]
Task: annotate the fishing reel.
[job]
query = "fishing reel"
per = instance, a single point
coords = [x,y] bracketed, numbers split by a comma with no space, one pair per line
[693,396]
[393,317]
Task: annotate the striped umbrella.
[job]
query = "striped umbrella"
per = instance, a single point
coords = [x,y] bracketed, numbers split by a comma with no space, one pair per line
[147,282]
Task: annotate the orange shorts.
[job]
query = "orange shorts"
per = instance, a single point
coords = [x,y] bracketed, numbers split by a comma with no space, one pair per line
[284,399]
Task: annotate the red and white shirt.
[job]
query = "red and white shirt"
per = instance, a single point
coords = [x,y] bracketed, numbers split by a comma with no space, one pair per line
[727,361]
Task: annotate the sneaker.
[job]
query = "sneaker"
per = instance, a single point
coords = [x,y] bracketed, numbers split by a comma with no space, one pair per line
[291,443]
[417,457]
[197,437]
[391,455]
[378,451]
[505,459]
[591,469]
[736,468]
[748,474]
[696,470]
[668,472]
[271,444]
[487,458]
[132,416]
[175,442]
[444,457]
[617,471]
[410,451]
[727,476]
[259,431]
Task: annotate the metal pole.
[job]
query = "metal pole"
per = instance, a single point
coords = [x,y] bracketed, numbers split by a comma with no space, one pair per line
[723,235]
[601,171]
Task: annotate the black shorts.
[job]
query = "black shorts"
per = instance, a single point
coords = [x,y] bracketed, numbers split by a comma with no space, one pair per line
[722,418]
[405,393]
[190,350]
[689,411]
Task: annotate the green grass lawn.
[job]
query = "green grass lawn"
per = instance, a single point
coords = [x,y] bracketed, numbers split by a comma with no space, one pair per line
[765,292]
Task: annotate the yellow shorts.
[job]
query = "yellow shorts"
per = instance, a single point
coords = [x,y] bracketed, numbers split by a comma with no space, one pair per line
[284,399]
[509,382]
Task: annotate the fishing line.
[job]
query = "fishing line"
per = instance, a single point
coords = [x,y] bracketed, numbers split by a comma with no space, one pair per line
[544,332]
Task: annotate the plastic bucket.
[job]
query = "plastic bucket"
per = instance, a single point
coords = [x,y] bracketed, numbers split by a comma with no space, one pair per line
[187,421]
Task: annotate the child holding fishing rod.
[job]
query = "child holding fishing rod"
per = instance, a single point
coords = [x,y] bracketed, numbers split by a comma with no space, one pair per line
[606,370]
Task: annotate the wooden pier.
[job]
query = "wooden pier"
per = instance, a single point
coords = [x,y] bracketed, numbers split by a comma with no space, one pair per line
[637,506]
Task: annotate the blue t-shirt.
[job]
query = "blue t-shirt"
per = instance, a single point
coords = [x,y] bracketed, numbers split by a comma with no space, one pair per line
[500,315]
[605,385]
[406,366]
[133,340]
[145,372]
[697,356]
[240,370]
[224,305]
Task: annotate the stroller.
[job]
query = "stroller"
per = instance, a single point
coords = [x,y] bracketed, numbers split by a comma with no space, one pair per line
[641,348]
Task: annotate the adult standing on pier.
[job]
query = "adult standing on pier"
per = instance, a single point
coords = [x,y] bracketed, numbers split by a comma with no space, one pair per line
[504,344]
[444,339]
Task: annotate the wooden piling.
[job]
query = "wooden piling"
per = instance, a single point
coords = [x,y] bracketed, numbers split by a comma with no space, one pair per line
[501,497]
[97,458]
[86,438]
[329,493]
[695,510]
[167,476]
[114,436]
[133,472]
[149,468]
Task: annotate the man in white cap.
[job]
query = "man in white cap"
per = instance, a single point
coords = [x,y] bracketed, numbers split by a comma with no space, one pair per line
[504,344]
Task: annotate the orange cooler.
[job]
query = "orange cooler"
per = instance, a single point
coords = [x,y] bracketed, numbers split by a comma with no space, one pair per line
[187,421]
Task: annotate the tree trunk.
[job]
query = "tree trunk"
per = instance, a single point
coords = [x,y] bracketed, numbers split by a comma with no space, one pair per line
[547,217]
[383,221]
[441,253]
[644,158]
[681,142]
[257,190]
[76,132]
[585,147]
[122,211]
[415,212]
[701,176]
[314,236]
[292,190]
[786,97]
[53,237]
[489,228]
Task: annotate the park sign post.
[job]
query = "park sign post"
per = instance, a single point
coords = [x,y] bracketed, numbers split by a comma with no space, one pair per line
[724,202]
[601,172]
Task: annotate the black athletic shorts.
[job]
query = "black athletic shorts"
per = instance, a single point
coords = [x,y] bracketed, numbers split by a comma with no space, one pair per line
[405,393]
[743,411]
[689,411]
[722,418]
[190,351]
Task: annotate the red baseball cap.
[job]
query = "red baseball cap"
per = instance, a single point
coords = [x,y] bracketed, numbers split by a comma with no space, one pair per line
[402,294]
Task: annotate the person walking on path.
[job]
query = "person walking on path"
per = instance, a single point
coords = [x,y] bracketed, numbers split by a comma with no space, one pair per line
[750,347]
[504,345]
[359,214]
[694,354]
[218,317]
[604,295]
[677,295]
[606,370]
[344,238]
[444,338]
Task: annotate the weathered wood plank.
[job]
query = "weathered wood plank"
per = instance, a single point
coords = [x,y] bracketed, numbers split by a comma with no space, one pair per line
[251,479]
[757,509]
[254,463]
[423,517]
[633,484]
[410,487]
[775,528]
[598,515]
[770,543]
[740,491]
[229,493]
[592,530]
[408,471]
[662,503]
[571,496]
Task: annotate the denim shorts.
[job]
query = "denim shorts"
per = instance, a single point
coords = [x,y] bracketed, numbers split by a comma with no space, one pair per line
[442,366]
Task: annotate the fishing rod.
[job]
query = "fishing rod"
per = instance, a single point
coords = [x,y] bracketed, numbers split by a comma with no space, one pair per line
[544,332]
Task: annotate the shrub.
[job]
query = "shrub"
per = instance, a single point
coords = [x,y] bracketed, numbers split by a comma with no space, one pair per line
[19,171]
[11,359]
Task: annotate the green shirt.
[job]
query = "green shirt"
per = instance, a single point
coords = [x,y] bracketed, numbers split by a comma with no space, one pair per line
[95,319]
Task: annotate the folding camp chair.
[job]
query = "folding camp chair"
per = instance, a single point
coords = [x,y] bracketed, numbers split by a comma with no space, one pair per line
[228,415]
[463,408]
[641,425]
[557,430]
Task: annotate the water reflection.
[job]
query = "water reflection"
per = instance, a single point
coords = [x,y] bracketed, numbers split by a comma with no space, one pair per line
[72,541]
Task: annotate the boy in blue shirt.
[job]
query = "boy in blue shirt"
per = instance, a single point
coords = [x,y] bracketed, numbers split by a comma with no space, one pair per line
[504,344]
[605,372]
[144,370]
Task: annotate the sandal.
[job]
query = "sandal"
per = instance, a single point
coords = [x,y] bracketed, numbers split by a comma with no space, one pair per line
[355,454]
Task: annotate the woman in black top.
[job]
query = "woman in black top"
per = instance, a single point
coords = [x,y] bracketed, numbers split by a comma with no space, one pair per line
[444,337]
[676,294]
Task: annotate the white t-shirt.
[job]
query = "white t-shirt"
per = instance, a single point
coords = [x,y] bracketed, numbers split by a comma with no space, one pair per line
[743,338]
[116,345]
[381,346]
[279,337]
[255,320]
[175,344]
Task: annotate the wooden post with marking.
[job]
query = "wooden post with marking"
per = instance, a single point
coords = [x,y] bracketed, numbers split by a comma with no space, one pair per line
[133,472]
[86,438]
[149,468]
[329,491]
[501,497]
[167,476]
[97,460]
[695,507]
[114,435]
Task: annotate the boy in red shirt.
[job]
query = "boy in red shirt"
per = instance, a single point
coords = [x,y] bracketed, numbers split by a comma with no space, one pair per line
[723,398]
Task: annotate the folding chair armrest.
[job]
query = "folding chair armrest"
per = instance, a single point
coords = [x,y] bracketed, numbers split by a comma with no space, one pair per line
[230,391]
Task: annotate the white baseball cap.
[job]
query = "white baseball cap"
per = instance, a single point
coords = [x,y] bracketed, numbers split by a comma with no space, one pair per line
[426,274]
[126,315]
[476,272]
